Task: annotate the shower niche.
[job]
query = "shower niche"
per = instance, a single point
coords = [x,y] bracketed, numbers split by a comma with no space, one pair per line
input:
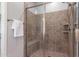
[66,31]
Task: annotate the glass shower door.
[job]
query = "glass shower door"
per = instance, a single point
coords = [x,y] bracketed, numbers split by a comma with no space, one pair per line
[35,30]
[50,30]
[58,31]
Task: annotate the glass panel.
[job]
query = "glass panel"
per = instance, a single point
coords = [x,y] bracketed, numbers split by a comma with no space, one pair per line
[35,31]
[31,4]
[57,30]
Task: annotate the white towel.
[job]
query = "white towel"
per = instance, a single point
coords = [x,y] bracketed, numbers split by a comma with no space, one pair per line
[17,25]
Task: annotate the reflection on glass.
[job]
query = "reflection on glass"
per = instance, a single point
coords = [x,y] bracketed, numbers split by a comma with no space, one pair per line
[49,30]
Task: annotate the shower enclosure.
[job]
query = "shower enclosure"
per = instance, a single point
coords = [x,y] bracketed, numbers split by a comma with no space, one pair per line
[49,29]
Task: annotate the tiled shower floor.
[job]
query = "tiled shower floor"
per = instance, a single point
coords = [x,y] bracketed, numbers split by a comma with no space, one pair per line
[40,53]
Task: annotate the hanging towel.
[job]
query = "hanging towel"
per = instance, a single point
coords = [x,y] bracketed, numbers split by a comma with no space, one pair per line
[17,26]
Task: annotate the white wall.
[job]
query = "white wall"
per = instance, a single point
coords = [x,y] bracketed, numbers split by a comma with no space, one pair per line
[15,10]
[0,7]
[0,29]
[15,45]
[3,28]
